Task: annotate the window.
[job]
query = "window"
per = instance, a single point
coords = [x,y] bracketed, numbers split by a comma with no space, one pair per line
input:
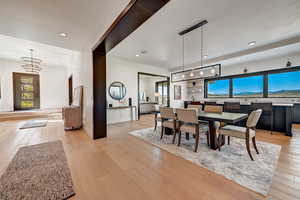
[247,87]
[218,88]
[277,83]
[284,84]
[162,89]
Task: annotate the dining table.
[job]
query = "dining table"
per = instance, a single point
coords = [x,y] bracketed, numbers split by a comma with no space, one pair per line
[226,117]
[210,118]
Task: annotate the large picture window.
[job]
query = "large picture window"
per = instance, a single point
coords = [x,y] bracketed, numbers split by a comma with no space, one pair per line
[247,87]
[218,88]
[276,83]
[284,84]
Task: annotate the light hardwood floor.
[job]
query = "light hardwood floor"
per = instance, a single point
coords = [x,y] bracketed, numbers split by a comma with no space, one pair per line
[124,167]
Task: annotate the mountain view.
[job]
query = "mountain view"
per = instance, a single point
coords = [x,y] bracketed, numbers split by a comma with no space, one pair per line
[279,85]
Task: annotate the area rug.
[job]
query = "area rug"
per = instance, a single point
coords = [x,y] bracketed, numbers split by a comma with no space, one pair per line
[231,162]
[34,123]
[37,172]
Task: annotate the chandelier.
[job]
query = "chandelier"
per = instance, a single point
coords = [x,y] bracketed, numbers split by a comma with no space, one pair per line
[31,64]
[201,72]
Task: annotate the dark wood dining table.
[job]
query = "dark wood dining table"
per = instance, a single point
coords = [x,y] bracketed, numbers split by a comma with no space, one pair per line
[225,117]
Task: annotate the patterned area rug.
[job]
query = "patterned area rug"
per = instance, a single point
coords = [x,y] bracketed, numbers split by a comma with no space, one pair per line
[37,172]
[34,123]
[232,161]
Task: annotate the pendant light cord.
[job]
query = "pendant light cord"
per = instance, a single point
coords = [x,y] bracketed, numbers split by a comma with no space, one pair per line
[202,46]
[183,52]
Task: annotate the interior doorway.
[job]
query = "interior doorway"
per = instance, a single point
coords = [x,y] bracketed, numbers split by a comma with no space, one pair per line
[26,89]
[153,92]
[70,90]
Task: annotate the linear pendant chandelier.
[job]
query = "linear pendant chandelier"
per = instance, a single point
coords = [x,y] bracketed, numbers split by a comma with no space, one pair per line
[200,72]
[31,64]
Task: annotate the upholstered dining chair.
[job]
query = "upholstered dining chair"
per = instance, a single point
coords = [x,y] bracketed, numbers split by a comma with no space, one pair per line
[197,107]
[232,106]
[210,103]
[157,119]
[168,120]
[188,123]
[246,133]
[213,109]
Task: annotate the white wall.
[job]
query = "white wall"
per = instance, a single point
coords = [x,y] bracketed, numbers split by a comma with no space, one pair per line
[53,85]
[124,71]
[118,69]
[81,69]
[178,103]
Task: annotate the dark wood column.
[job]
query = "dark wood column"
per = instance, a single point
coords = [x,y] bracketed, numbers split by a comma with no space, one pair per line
[99,90]
[134,15]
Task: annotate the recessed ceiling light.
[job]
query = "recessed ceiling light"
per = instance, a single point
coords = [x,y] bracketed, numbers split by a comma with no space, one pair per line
[191,74]
[252,43]
[62,34]
[182,76]
[137,55]
[205,56]
[201,73]
[212,71]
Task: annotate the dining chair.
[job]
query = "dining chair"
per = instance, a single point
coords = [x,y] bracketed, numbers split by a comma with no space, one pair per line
[246,133]
[234,107]
[197,107]
[210,103]
[168,120]
[213,109]
[267,111]
[157,118]
[188,123]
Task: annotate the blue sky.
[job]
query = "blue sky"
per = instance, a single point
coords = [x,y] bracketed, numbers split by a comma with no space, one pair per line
[248,84]
[282,81]
[219,87]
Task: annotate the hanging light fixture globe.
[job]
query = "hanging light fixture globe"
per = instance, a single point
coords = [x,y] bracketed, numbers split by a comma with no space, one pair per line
[31,64]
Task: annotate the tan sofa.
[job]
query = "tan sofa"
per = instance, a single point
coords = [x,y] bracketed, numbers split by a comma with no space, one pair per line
[72,115]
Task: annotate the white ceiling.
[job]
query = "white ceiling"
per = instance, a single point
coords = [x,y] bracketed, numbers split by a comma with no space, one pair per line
[232,24]
[13,49]
[40,20]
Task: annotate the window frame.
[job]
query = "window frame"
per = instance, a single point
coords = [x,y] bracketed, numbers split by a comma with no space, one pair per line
[265,75]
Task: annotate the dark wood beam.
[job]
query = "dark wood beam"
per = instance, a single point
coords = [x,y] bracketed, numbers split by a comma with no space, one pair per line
[132,17]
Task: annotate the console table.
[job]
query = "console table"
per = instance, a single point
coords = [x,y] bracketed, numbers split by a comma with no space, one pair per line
[133,112]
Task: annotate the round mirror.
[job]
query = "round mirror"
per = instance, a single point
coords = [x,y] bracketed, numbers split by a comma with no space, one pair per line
[117,90]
